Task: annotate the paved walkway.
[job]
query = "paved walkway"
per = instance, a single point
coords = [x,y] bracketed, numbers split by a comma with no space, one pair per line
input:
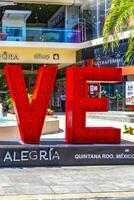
[91,182]
[94,182]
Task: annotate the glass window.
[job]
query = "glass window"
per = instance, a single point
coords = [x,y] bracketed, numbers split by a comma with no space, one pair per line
[100,16]
[107,6]
[12,31]
[95,12]
[89,13]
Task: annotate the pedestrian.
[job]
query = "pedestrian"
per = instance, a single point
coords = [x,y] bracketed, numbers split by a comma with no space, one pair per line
[1,109]
[63,101]
[5,108]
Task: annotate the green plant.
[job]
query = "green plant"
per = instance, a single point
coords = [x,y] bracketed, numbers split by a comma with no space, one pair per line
[120,19]
[10,103]
[30,97]
[128,130]
[50,112]
[3,86]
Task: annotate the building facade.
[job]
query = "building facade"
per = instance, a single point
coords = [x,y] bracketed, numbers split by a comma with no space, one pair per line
[95,13]
[62,33]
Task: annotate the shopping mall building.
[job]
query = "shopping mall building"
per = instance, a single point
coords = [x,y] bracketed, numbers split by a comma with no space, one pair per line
[63,33]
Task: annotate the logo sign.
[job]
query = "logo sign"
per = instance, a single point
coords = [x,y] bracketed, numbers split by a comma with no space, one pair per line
[39,56]
[31,116]
[56,56]
[130,93]
[93,88]
[106,61]
[9,56]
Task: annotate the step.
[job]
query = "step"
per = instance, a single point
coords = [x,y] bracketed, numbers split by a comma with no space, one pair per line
[114,119]
[107,116]
[114,113]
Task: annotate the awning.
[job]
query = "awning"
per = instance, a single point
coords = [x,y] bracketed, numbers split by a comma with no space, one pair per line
[126,71]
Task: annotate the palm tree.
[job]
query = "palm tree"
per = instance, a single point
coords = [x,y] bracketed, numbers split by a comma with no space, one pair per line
[120,19]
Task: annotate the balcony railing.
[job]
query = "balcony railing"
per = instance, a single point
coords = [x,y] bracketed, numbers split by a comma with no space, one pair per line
[39,34]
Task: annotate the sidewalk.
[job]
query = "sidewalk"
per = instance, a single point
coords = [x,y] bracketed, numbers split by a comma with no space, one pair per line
[96,182]
[88,182]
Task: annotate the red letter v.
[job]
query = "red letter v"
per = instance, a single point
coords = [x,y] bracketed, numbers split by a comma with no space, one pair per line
[30,116]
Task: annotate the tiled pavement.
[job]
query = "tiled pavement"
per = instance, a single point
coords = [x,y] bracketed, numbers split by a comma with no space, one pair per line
[94,181]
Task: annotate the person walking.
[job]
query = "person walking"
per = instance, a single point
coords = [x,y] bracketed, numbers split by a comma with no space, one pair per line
[63,101]
[5,107]
[1,110]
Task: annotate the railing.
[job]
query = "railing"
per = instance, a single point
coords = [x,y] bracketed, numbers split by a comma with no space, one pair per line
[39,34]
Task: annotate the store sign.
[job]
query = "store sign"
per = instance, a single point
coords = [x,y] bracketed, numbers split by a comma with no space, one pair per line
[37,56]
[31,115]
[130,93]
[47,57]
[9,56]
[107,61]
[93,88]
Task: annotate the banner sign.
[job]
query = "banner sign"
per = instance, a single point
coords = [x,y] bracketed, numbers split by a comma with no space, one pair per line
[130,93]
[65,155]
[37,56]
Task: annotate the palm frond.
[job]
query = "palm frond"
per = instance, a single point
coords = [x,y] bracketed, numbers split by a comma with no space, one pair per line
[130,53]
[117,22]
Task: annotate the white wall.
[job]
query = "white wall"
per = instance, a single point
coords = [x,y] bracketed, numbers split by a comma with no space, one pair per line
[14,23]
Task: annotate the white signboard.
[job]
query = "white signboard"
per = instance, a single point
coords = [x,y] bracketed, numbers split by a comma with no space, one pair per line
[130,93]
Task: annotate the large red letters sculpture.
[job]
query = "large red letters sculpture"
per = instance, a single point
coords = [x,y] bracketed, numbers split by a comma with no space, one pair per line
[31,116]
[78,104]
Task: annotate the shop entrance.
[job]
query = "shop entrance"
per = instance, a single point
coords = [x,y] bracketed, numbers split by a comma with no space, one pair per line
[116,95]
